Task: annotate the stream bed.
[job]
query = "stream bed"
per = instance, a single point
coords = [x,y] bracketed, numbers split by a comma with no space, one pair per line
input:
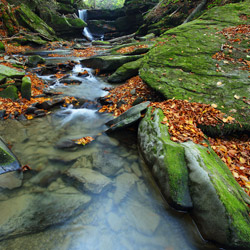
[98,196]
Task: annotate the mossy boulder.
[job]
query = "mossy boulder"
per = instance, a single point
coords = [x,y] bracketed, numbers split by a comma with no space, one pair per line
[181,65]
[108,63]
[2,48]
[193,177]
[26,88]
[10,92]
[11,72]
[125,72]
[29,19]
[34,60]
[64,25]
[65,8]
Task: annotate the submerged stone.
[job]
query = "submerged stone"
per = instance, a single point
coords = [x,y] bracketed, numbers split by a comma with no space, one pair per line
[32,213]
[89,179]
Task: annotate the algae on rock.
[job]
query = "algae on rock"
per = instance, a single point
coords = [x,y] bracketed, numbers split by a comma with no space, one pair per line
[181,65]
[193,173]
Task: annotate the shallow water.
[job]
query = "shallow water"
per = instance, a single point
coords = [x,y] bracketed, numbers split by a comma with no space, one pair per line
[52,210]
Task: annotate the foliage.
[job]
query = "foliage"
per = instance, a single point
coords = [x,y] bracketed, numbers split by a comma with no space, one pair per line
[105,4]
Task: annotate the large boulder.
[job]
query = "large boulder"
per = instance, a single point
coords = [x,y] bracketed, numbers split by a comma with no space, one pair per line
[108,63]
[183,65]
[193,177]
[125,72]
[29,19]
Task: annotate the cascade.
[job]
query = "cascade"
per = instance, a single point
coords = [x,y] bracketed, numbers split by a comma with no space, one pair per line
[86,32]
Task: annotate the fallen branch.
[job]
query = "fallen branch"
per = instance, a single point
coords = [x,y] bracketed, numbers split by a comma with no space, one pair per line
[121,38]
[196,10]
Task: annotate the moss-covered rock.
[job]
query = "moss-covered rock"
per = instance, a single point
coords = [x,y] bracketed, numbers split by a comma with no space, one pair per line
[10,92]
[11,72]
[26,88]
[65,8]
[188,170]
[125,72]
[167,160]
[2,79]
[181,65]
[2,48]
[108,63]
[29,19]
[34,60]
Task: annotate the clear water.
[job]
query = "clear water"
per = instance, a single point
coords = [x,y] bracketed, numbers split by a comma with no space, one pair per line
[51,211]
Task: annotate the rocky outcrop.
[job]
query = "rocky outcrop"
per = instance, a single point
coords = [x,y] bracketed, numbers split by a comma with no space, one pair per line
[193,177]
[182,67]
[108,63]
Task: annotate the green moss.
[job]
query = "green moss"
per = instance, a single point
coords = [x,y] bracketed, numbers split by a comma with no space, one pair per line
[34,22]
[227,189]
[2,48]
[5,158]
[26,88]
[181,65]
[9,92]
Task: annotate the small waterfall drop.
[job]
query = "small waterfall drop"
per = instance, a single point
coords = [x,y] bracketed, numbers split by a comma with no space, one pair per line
[86,32]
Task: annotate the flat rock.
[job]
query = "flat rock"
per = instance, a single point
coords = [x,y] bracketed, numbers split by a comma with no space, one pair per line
[124,184]
[32,213]
[89,179]
[10,72]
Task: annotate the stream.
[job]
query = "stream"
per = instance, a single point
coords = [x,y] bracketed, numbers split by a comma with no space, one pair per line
[116,203]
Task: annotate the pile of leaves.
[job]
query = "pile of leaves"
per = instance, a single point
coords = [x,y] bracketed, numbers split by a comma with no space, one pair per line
[91,51]
[130,49]
[235,153]
[183,118]
[126,94]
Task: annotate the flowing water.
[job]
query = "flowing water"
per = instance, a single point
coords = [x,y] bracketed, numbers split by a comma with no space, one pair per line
[117,206]
[86,32]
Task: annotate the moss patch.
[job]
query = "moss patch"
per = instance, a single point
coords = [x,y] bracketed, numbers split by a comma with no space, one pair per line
[181,64]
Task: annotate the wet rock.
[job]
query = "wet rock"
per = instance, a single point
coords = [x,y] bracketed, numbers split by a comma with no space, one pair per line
[107,140]
[124,184]
[11,180]
[32,213]
[107,164]
[108,63]
[64,144]
[39,113]
[137,101]
[30,110]
[89,179]
[115,222]
[135,168]
[34,60]
[127,118]
[143,218]
[44,105]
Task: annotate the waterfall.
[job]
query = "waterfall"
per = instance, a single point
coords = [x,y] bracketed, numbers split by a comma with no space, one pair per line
[87,34]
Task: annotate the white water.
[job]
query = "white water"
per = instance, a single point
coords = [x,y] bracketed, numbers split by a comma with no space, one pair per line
[86,32]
